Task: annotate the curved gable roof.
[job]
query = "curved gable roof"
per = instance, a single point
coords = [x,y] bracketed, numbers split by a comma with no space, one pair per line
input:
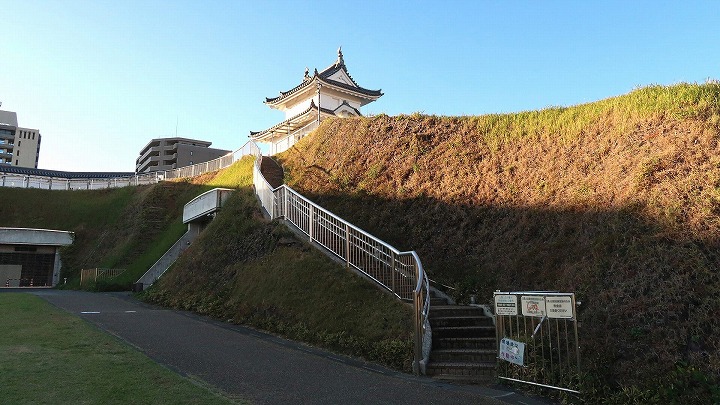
[324,78]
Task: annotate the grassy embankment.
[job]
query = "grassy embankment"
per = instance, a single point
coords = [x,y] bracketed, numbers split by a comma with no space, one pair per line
[242,268]
[128,228]
[246,269]
[617,200]
[51,357]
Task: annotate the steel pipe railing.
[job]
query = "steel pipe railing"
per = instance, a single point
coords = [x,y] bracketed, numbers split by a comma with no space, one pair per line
[401,273]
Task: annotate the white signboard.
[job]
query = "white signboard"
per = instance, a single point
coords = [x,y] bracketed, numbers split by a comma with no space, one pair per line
[506,304]
[512,351]
[533,305]
[559,307]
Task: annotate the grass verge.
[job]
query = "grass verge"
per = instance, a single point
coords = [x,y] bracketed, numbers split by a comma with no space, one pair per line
[50,357]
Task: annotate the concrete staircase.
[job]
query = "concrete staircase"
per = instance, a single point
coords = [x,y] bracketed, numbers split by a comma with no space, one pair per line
[463,345]
[272,171]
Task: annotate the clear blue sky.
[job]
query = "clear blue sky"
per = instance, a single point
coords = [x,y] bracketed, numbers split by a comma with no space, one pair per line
[101,78]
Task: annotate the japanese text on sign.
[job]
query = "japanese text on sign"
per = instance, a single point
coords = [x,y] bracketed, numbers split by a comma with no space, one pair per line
[533,305]
[506,304]
[512,351]
[560,307]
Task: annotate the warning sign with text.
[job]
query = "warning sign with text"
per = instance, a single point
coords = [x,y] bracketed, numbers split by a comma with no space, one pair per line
[506,304]
[533,305]
[560,307]
[512,351]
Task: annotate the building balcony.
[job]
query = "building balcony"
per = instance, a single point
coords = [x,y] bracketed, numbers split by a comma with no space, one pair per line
[152,151]
[148,157]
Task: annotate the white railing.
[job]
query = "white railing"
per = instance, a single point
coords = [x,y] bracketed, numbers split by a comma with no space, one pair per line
[206,203]
[401,273]
[59,183]
[250,148]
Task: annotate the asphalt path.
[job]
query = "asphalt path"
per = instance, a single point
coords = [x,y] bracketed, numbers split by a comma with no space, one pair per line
[259,367]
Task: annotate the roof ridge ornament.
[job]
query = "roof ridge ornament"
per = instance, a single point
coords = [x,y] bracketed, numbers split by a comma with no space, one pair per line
[307,74]
[340,60]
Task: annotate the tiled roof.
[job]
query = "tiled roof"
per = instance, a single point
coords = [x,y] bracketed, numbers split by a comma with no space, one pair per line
[26,171]
[349,106]
[289,121]
[323,77]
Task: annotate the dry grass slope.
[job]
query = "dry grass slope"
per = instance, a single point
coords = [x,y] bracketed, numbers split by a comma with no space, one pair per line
[617,200]
[248,270]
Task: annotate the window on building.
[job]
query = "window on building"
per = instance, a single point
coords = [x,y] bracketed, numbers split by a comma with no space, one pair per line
[19,143]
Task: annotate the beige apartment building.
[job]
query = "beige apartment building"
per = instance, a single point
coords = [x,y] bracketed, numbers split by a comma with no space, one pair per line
[172,153]
[18,146]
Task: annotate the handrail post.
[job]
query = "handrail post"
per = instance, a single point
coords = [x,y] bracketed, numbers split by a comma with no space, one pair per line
[392,270]
[347,245]
[310,223]
[418,332]
[285,203]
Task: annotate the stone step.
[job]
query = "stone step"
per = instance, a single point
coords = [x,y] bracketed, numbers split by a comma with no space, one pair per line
[479,372]
[446,321]
[455,310]
[463,332]
[463,356]
[434,301]
[466,379]
[464,343]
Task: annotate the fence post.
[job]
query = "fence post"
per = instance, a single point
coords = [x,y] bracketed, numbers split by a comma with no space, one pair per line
[392,270]
[347,245]
[285,202]
[310,223]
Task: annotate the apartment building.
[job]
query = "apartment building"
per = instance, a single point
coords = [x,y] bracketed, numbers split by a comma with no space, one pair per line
[173,153]
[18,146]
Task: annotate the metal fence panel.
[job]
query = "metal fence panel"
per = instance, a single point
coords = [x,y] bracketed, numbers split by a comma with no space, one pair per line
[538,339]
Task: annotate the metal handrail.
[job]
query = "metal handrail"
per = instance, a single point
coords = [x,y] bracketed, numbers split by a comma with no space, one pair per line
[361,250]
[249,148]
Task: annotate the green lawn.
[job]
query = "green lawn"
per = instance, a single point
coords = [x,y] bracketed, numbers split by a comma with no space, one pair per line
[50,357]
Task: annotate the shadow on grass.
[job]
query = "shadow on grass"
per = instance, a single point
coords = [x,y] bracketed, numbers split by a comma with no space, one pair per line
[648,295]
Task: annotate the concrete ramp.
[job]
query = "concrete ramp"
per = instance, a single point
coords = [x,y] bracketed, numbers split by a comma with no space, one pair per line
[164,263]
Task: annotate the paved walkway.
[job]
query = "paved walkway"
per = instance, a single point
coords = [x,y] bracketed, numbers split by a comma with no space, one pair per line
[259,367]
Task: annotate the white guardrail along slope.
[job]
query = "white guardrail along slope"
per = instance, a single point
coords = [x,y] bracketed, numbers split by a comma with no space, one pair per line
[399,272]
